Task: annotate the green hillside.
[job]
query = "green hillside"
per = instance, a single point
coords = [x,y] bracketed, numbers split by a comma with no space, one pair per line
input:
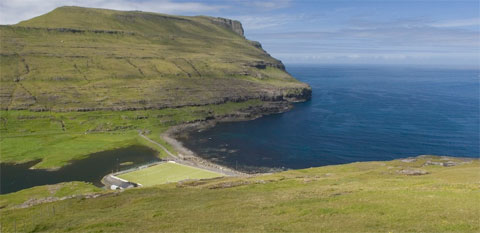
[357,197]
[78,80]
[70,80]
[58,137]
[94,59]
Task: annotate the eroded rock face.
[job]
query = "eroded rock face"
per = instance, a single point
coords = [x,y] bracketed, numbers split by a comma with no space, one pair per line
[256,44]
[233,25]
[299,94]
[263,65]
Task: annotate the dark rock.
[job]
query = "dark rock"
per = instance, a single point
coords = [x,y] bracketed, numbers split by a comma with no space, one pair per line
[256,44]
[263,65]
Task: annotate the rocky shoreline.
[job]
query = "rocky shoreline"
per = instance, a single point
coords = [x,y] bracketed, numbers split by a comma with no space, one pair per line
[189,157]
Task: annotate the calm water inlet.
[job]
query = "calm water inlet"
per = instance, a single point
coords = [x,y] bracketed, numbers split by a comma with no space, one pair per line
[15,177]
[357,113]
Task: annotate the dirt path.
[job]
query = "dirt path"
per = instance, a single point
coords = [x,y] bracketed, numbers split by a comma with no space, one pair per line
[160,145]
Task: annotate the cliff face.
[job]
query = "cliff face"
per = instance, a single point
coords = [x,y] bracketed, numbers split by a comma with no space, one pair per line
[75,59]
[233,25]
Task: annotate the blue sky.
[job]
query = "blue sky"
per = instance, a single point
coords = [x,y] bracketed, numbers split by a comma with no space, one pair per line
[324,32]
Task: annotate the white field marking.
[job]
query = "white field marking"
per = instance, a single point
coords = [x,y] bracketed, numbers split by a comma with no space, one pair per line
[201,169]
[172,178]
[118,178]
[196,169]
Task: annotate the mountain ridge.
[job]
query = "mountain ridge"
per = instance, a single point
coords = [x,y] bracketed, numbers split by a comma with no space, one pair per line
[233,25]
[76,81]
[77,59]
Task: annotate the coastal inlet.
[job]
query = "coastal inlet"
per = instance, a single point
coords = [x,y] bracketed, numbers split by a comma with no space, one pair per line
[14,177]
[357,113]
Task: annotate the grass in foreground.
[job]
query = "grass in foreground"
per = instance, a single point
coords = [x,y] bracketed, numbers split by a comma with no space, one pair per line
[167,173]
[357,197]
[47,191]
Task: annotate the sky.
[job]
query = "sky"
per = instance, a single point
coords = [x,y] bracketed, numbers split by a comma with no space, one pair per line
[424,32]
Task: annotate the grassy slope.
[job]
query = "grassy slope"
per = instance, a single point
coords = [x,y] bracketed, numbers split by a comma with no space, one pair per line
[124,60]
[94,59]
[166,173]
[140,67]
[358,197]
[47,191]
[58,137]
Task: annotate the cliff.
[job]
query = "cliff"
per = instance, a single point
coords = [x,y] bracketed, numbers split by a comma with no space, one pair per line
[233,25]
[84,59]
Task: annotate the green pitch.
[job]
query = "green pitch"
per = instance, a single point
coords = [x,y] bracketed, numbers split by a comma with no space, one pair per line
[166,173]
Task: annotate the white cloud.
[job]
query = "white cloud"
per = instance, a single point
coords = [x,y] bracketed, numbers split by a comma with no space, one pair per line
[264,5]
[272,5]
[399,41]
[454,60]
[13,11]
[379,37]
[365,23]
[258,22]
[458,23]
[254,22]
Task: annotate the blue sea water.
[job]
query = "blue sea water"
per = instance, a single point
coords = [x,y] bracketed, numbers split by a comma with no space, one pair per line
[357,113]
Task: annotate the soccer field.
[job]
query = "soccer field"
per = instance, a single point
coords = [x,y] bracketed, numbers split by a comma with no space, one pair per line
[166,173]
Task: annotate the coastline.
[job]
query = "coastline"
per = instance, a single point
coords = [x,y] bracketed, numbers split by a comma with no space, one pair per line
[188,157]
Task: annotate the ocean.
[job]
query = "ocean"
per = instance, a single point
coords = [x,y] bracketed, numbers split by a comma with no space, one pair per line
[357,113]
